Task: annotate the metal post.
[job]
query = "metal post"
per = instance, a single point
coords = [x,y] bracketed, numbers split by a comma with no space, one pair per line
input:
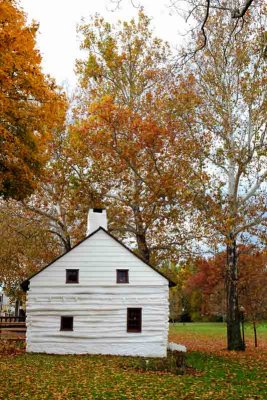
[242,314]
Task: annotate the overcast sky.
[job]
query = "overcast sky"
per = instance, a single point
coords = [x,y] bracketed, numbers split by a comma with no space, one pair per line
[58,40]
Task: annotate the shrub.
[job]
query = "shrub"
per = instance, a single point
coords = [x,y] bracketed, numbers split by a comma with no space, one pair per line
[173,363]
[216,318]
[11,347]
[185,317]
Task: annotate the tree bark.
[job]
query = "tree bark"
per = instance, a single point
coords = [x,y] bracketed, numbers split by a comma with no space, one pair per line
[66,243]
[142,247]
[141,235]
[234,338]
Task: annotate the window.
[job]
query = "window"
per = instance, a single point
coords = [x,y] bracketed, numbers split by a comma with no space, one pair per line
[66,324]
[72,276]
[122,276]
[134,319]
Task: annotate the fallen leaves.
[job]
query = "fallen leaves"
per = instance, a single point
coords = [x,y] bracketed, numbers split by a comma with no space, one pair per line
[213,374]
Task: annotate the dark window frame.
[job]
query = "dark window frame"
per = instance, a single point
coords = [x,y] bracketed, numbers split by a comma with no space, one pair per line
[62,323]
[117,276]
[70,281]
[137,329]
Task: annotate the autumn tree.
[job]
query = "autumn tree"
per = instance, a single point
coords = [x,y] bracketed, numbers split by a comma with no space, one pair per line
[30,104]
[208,280]
[59,200]
[130,133]
[252,285]
[26,245]
[180,302]
[206,284]
[231,78]
[196,14]
[47,223]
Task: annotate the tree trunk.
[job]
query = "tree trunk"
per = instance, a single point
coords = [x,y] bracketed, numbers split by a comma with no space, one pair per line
[67,243]
[17,305]
[141,235]
[255,334]
[234,339]
[142,246]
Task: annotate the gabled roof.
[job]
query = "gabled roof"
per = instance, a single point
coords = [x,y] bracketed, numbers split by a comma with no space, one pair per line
[25,284]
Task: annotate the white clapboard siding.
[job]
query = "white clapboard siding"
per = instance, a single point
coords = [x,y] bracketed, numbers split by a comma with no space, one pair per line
[97,262]
[97,303]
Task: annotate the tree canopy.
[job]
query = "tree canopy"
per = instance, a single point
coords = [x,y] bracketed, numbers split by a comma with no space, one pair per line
[30,104]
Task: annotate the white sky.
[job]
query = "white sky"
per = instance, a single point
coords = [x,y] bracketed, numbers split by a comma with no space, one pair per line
[58,42]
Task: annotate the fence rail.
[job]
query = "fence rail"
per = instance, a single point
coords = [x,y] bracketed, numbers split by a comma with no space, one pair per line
[12,319]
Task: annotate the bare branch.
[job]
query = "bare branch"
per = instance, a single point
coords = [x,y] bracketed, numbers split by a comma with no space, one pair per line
[203,26]
[254,188]
[236,13]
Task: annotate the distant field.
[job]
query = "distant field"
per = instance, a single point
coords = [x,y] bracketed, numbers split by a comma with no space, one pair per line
[214,328]
[208,336]
[214,375]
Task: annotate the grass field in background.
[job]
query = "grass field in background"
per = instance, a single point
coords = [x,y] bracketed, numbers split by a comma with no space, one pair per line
[214,374]
[211,336]
[215,328]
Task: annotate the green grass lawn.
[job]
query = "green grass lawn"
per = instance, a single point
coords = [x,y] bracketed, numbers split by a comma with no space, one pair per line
[214,328]
[214,377]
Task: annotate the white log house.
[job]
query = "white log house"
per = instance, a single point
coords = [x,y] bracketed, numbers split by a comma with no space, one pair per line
[98,298]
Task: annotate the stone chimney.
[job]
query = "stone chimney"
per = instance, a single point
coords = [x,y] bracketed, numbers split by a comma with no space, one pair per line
[96,217]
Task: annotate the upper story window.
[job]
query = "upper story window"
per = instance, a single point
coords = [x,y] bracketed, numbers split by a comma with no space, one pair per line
[66,324]
[72,276]
[122,276]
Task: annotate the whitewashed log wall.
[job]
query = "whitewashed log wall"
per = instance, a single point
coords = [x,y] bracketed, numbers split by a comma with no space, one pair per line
[97,303]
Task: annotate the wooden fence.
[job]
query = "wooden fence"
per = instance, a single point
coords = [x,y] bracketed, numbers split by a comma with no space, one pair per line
[12,327]
[12,319]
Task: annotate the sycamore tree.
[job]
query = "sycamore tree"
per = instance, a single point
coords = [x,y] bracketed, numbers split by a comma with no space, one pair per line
[44,225]
[197,13]
[129,134]
[59,201]
[30,104]
[231,79]
[26,245]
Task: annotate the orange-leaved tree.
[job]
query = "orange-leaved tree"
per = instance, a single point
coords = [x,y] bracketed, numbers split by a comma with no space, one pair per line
[30,104]
[208,280]
[131,134]
[252,286]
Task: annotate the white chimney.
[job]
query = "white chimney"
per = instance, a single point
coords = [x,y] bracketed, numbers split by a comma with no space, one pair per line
[96,217]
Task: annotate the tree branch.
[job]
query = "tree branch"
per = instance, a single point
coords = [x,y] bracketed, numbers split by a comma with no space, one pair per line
[254,188]
[237,13]
[203,26]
